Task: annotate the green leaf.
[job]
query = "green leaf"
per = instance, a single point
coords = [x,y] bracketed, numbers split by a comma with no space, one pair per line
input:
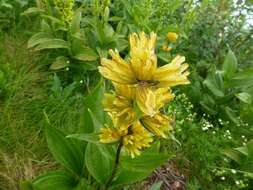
[75,24]
[98,163]
[86,55]
[134,170]
[32,10]
[211,85]
[60,63]
[90,137]
[52,44]
[242,79]
[244,97]
[93,102]
[234,155]
[56,180]
[38,38]
[230,114]
[156,186]
[84,185]
[230,65]
[65,151]
[86,124]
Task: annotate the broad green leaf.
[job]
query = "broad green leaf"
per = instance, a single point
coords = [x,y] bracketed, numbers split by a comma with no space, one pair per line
[38,38]
[98,164]
[56,180]
[86,55]
[86,124]
[93,102]
[140,162]
[45,27]
[60,63]
[52,44]
[211,85]
[242,79]
[230,65]
[90,137]
[134,170]
[230,114]
[244,97]
[32,10]
[156,186]
[84,185]
[75,24]
[234,155]
[65,151]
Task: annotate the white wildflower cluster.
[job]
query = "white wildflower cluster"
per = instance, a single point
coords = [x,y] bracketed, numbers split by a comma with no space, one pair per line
[244,140]
[206,125]
[187,106]
[223,123]
[241,123]
[223,174]
[227,134]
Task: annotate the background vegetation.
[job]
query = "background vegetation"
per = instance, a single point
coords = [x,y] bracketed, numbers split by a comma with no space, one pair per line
[49,66]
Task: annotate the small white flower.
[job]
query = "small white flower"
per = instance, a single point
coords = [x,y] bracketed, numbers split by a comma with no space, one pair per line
[244,144]
[214,132]
[233,171]
[67,68]
[223,178]
[67,62]
[81,81]
[237,182]
[243,136]
[228,131]
[204,128]
[229,137]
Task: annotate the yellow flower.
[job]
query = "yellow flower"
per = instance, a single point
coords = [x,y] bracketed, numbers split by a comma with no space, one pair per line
[163,96]
[109,135]
[141,70]
[120,103]
[134,137]
[172,36]
[137,139]
[167,48]
[159,125]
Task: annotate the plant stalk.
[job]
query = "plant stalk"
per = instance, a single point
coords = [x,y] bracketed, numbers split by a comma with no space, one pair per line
[116,164]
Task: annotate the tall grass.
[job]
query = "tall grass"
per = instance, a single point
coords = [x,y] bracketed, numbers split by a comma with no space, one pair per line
[24,96]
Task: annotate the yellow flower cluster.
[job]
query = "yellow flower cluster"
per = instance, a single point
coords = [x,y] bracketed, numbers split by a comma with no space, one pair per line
[171,37]
[141,89]
[65,8]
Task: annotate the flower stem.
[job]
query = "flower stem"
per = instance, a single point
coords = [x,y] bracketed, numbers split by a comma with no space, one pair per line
[116,164]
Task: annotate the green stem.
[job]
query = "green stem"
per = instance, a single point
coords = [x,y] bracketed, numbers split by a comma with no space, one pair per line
[115,167]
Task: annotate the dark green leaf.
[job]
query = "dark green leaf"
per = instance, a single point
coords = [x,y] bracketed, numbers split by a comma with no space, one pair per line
[98,164]
[244,97]
[90,137]
[75,25]
[230,64]
[33,10]
[86,55]
[38,38]
[56,180]
[65,151]
[52,44]
[93,102]
[60,63]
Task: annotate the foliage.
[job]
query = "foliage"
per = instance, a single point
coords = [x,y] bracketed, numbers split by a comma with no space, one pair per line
[54,87]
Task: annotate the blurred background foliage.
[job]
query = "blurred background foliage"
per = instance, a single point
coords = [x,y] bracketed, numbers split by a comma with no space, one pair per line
[48,61]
